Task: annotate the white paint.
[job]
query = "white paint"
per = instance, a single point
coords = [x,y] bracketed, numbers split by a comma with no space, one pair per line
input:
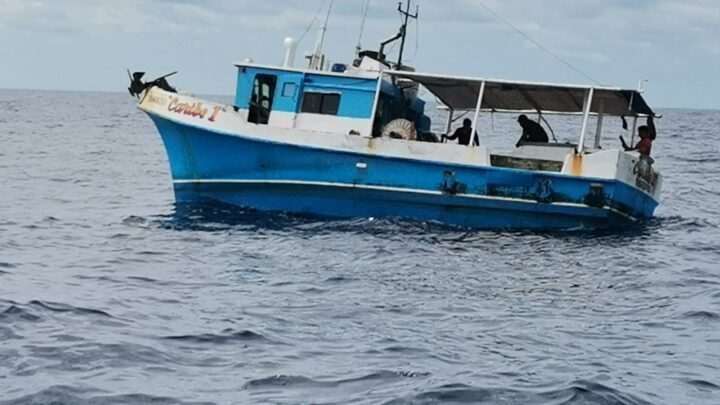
[613,165]
[626,172]
[373,114]
[281,119]
[586,113]
[233,123]
[477,114]
[601,165]
[361,165]
[371,65]
[290,50]
[361,73]
[332,124]
[322,123]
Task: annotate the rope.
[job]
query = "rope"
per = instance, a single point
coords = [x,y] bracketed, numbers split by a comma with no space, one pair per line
[536,43]
[542,117]
[417,40]
[312,22]
[366,6]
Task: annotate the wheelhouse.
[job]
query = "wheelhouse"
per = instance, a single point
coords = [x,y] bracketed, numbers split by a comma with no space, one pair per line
[351,102]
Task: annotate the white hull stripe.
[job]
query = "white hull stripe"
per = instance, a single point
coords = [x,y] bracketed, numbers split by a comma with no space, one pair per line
[393,189]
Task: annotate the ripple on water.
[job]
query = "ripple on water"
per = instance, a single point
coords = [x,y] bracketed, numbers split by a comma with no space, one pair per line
[62,394]
[227,336]
[701,316]
[580,392]
[306,382]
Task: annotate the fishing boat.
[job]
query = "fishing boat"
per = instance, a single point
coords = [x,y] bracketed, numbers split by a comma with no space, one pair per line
[354,140]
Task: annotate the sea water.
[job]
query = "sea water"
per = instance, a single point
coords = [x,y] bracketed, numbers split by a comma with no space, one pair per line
[110,293]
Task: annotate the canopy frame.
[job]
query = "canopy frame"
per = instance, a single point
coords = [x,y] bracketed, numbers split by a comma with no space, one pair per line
[460,93]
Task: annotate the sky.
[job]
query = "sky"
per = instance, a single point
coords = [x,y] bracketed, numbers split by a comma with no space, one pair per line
[88,44]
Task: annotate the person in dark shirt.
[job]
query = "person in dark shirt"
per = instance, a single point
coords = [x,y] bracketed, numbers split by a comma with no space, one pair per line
[532,131]
[462,134]
[647,134]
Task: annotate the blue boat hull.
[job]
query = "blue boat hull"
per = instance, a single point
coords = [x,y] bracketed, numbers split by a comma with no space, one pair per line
[268,176]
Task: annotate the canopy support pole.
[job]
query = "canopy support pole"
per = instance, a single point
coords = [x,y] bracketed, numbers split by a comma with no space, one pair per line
[598,130]
[586,114]
[448,124]
[632,133]
[373,115]
[477,114]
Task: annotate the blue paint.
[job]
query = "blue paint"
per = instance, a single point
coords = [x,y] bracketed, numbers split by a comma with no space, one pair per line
[356,94]
[288,103]
[196,153]
[335,201]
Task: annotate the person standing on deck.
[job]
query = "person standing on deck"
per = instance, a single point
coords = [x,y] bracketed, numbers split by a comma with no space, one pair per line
[647,134]
[532,131]
[462,134]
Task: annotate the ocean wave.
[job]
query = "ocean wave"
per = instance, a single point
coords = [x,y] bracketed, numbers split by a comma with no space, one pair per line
[579,393]
[701,315]
[60,307]
[704,385]
[15,313]
[7,333]
[63,394]
[227,336]
[306,382]
[38,311]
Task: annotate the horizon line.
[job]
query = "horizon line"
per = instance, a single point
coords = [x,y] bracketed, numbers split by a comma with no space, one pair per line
[232,95]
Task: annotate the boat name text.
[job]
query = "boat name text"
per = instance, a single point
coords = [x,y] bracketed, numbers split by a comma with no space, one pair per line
[193,109]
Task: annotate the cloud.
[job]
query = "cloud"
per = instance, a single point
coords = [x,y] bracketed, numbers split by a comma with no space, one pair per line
[609,39]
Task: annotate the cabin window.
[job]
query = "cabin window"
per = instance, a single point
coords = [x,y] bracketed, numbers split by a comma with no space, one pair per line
[261,99]
[320,103]
[330,104]
[289,89]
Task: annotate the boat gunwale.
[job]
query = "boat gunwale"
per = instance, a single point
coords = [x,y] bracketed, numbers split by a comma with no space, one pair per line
[361,153]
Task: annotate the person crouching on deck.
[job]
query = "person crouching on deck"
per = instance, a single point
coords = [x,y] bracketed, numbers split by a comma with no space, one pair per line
[647,135]
[462,134]
[532,131]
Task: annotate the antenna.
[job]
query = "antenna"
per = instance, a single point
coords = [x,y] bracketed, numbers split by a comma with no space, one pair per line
[403,29]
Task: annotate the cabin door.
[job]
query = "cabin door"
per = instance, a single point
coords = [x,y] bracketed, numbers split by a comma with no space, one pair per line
[261,99]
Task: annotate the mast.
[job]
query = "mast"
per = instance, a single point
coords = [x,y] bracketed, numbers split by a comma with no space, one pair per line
[316,59]
[358,47]
[403,29]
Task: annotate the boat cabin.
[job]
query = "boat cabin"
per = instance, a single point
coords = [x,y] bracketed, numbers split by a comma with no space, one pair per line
[338,102]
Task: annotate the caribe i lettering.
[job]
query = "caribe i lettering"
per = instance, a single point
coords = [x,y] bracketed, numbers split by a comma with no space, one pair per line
[193,110]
